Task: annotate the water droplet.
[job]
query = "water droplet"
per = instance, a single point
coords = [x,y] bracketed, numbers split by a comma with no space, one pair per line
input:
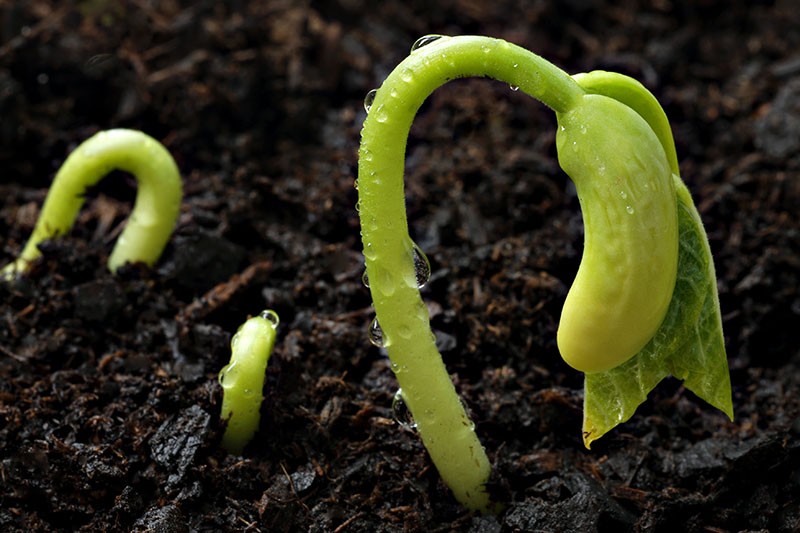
[369,99]
[393,93]
[355,184]
[227,376]
[401,412]
[423,41]
[623,195]
[398,369]
[583,129]
[422,311]
[358,205]
[486,49]
[247,393]
[369,251]
[381,115]
[514,87]
[422,267]
[235,340]
[272,317]
[385,280]
[407,75]
[404,331]
[366,154]
[630,209]
[516,65]
[365,279]
[376,336]
[468,412]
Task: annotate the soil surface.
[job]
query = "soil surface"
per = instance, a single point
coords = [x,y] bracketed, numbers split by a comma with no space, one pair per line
[109,401]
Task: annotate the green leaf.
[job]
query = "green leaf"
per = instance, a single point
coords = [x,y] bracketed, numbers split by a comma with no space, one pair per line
[688,345]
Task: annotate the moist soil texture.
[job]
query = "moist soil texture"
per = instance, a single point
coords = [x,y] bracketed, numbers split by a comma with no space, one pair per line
[109,399]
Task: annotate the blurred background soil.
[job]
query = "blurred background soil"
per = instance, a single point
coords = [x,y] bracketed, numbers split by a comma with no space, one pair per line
[109,399]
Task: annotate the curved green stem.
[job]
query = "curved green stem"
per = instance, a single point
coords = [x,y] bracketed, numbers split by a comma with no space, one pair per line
[443,425]
[629,319]
[155,211]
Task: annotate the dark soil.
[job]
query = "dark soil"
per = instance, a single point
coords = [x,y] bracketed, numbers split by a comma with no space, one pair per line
[109,399]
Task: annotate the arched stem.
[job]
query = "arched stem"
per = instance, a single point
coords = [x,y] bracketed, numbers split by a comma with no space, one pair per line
[154,213]
[441,420]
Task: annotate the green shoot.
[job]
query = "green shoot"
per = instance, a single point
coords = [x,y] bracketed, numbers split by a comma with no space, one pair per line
[242,379]
[614,142]
[155,210]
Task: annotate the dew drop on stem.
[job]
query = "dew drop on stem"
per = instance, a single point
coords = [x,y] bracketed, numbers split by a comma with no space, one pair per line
[235,340]
[228,376]
[424,40]
[422,267]
[369,99]
[405,331]
[468,421]
[376,336]
[401,413]
[369,251]
[365,279]
[381,115]
[398,369]
[272,317]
